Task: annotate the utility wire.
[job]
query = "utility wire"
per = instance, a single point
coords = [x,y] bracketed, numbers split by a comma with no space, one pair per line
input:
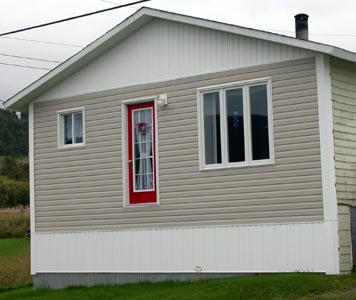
[31,58]
[24,66]
[39,41]
[111,2]
[72,18]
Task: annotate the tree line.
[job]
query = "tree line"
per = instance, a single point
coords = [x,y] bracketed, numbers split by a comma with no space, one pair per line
[14,169]
[13,134]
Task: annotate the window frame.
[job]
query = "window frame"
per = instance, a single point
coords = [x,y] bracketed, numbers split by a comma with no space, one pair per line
[60,127]
[221,89]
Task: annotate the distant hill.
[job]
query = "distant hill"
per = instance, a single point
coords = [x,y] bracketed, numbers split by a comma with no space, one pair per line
[13,134]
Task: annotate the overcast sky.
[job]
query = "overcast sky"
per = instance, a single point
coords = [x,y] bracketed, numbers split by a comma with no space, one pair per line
[331,22]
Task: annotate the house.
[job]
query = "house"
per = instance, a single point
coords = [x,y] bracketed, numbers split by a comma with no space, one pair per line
[174,145]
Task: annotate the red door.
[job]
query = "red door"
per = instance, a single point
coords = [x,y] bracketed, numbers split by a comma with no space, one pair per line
[142,163]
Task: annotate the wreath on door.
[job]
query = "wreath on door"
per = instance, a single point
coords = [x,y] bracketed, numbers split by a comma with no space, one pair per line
[141,128]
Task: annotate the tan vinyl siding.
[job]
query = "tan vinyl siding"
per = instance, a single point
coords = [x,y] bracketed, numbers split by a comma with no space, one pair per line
[343,76]
[345,244]
[81,189]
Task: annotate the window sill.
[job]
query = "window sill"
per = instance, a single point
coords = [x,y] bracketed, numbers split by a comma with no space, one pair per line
[142,205]
[238,166]
[74,146]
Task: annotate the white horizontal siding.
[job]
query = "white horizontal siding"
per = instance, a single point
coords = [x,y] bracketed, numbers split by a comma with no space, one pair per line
[165,50]
[298,247]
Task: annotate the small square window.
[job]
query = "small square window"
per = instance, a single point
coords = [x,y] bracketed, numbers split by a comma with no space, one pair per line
[71,128]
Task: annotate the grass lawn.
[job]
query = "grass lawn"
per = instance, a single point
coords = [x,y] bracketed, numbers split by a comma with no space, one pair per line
[264,287]
[14,263]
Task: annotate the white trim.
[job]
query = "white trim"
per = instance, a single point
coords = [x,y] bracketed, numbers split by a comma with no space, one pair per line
[60,128]
[32,184]
[124,147]
[217,249]
[327,153]
[326,137]
[233,84]
[125,171]
[221,89]
[158,202]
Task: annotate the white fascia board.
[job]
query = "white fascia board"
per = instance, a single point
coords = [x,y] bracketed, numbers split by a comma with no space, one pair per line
[138,19]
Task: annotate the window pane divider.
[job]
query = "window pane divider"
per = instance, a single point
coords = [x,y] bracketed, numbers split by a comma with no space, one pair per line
[223,128]
[247,124]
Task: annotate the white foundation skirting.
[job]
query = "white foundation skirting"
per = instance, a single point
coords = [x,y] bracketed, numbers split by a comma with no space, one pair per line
[297,247]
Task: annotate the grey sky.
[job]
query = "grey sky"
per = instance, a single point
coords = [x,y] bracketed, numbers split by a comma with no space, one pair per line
[330,22]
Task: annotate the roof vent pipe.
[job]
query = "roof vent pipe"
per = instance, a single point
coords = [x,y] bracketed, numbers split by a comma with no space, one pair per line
[301,26]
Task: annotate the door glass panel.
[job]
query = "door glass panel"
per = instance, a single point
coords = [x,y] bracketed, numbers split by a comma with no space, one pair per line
[143,154]
[235,125]
[212,139]
[259,122]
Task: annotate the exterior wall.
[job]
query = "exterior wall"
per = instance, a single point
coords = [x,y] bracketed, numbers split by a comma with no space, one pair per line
[344,218]
[165,50]
[263,248]
[81,189]
[343,76]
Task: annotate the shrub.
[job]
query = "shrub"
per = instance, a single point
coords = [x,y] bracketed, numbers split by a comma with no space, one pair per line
[14,168]
[14,225]
[14,193]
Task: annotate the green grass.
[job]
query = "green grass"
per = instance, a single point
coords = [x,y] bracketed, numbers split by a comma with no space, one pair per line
[265,287]
[14,247]
[14,263]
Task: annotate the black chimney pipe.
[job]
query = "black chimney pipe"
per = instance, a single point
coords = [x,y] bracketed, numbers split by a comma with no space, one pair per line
[301,26]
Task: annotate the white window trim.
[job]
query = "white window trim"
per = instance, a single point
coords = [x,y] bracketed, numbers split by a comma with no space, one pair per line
[60,129]
[221,88]
[125,151]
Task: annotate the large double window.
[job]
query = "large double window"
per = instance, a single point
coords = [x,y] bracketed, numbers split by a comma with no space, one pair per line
[236,125]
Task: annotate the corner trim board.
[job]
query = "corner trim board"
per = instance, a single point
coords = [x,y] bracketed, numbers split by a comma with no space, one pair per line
[32,184]
[327,153]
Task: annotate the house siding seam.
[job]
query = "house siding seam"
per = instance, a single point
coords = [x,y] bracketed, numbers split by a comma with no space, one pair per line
[81,189]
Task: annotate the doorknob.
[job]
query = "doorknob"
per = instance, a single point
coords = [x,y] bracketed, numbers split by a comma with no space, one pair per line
[130,161]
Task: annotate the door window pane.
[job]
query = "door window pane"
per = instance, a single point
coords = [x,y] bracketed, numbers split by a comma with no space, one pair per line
[143,155]
[235,125]
[259,122]
[211,108]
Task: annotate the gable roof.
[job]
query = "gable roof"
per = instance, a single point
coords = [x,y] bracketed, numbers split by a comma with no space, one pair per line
[139,19]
